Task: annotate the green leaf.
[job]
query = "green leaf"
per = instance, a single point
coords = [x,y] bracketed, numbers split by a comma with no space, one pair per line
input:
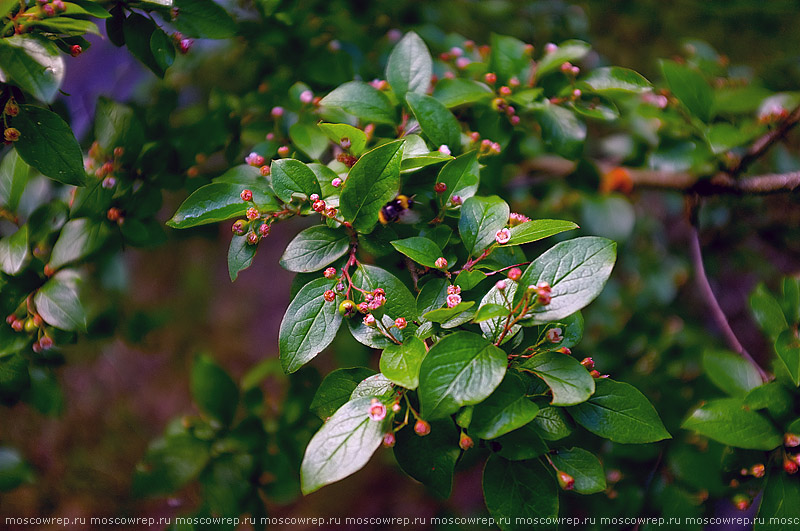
[213,390]
[170,463]
[520,444]
[337,132]
[790,288]
[375,385]
[118,125]
[430,460]
[552,423]
[138,31]
[461,369]
[33,65]
[362,101]
[492,328]
[436,120]
[567,51]
[767,312]
[583,466]
[421,250]
[217,202]
[571,331]
[162,49]
[310,324]
[490,311]
[619,412]
[481,218]
[309,139]
[78,239]
[371,183]
[562,131]
[570,382]
[14,376]
[615,80]
[730,372]
[342,446]
[690,87]
[315,248]
[726,420]
[506,409]
[576,270]
[773,397]
[58,301]
[787,345]
[90,7]
[519,491]
[6,6]
[779,509]
[290,176]
[442,315]
[469,279]
[401,363]
[410,66]
[413,163]
[13,179]
[461,176]
[240,255]
[336,388]
[595,106]
[722,137]
[538,229]
[455,92]
[204,19]
[399,300]
[432,295]
[67,26]
[15,252]
[508,58]
[46,142]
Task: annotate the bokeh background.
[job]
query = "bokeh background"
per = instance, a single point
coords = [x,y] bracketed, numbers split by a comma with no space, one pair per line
[162,307]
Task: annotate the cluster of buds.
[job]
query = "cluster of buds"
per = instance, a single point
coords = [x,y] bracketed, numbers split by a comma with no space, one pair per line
[757,471]
[501,105]
[49,9]
[570,69]
[254,159]
[515,219]
[115,215]
[183,44]
[31,325]
[373,301]
[103,166]
[502,236]
[453,296]
[489,148]
[542,291]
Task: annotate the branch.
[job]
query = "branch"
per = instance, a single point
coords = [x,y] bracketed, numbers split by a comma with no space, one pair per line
[760,146]
[716,311]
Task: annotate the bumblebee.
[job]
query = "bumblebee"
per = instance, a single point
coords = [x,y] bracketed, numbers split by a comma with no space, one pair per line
[395,209]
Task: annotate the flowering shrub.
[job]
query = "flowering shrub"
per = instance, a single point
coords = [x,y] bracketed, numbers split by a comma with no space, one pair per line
[473,310]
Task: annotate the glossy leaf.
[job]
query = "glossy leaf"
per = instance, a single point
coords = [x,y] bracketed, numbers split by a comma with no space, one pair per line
[767,312]
[432,295]
[342,446]
[338,132]
[619,412]
[421,250]
[455,92]
[118,125]
[203,19]
[442,315]
[519,491]
[538,229]
[13,179]
[169,464]
[374,385]
[730,372]
[508,58]
[336,388]
[788,348]
[481,218]
[615,79]
[362,101]
[315,248]
[492,328]
[240,255]
[773,397]
[162,48]
[401,363]
[689,87]
[567,51]
[309,325]
[217,202]
[213,390]
[33,65]
[372,182]
[431,460]
[583,466]
[505,410]
[58,301]
[46,142]
[727,421]
[490,311]
[138,30]
[436,121]
[461,177]
[399,301]
[461,369]
[576,270]
[410,66]
[309,139]
[520,444]
[79,238]
[290,177]
[779,509]
[15,252]
[569,381]
[562,131]
[552,423]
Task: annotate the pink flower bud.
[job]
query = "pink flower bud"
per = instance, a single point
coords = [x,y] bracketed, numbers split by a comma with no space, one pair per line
[283,151]
[441,262]
[377,410]
[264,170]
[490,78]
[505,91]
[246,195]
[555,335]
[400,323]
[254,159]
[276,112]
[439,188]
[263,230]
[336,182]
[422,428]
[454,290]
[502,236]
[389,440]
[444,149]
[515,273]
[500,285]
[330,273]
[453,300]
[463,62]
[369,320]
[306,96]
[550,47]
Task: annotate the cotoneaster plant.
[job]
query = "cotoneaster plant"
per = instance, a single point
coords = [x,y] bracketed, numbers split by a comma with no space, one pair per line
[474,322]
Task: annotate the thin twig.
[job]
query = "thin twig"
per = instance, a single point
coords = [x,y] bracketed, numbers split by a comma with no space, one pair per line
[762,144]
[716,311]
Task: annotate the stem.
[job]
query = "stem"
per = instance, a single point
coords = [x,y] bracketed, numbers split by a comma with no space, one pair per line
[471,262]
[490,273]
[716,311]
[762,145]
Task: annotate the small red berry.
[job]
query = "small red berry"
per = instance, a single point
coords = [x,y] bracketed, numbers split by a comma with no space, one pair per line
[330,272]
[246,195]
[265,171]
[440,188]
[422,428]
[318,206]
[252,238]
[515,273]
[389,440]
[565,481]
[18,325]
[490,78]
[588,363]
[329,295]
[465,442]
[75,50]
[789,466]
[48,271]
[114,214]
[37,319]
[11,318]
[119,151]
[400,323]
[283,151]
